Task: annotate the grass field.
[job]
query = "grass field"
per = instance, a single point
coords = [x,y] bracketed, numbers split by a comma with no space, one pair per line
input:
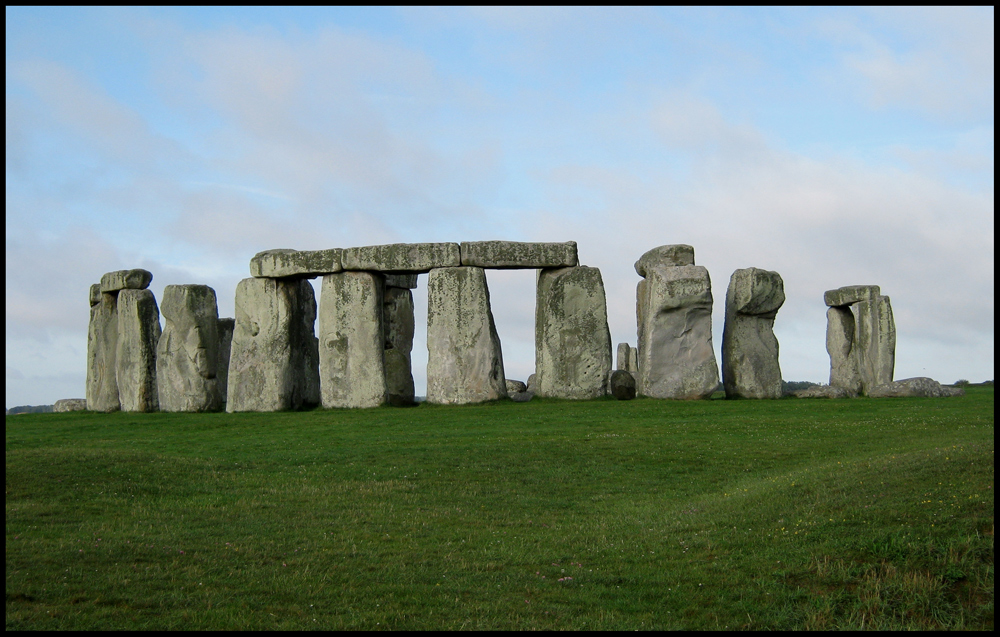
[788,514]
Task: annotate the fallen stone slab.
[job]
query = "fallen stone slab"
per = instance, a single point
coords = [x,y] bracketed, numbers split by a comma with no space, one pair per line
[283,263]
[402,257]
[518,254]
[921,386]
[749,348]
[850,294]
[622,384]
[516,387]
[187,356]
[137,279]
[69,404]
[522,397]
[665,256]
[823,391]
[102,348]
[135,360]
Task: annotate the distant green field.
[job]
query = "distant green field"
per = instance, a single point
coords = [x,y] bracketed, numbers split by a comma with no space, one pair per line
[648,514]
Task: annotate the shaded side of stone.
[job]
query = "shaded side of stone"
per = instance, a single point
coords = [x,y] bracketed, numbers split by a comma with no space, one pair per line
[875,342]
[274,359]
[622,385]
[914,387]
[225,331]
[102,350]
[187,357]
[572,340]
[408,281]
[95,294]
[464,361]
[850,294]
[515,387]
[137,279]
[402,257]
[135,361]
[295,263]
[749,348]
[69,404]
[840,332]
[518,254]
[397,310]
[351,333]
[665,256]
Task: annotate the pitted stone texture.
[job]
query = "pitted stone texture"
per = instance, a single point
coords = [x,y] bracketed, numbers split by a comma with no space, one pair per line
[69,404]
[518,254]
[823,391]
[135,361]
[665,256]
[95,294]
[402,257]
[397,311]
[274,362]
[464,361]
[622,385]
[676,359]
[352,338]
[187,357]
[102,349]
[572,340]
[840,329]
[749,348]
[225,331]
[295,263]
[126,280]
[850,294]
[408,281]
[515,387]
[914,387]
[875,342]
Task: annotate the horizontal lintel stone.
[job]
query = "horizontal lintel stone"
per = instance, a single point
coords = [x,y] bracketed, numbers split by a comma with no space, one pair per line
[519,254]
[851,294]
[137,279]
[281,263]
[403,257]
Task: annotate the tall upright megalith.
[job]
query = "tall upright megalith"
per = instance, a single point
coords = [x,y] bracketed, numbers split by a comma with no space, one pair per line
[674,316]
[840,329]
[860,337]
[399,328]
[351,337]
[187,357]
[749,348]
[274,360]
[464,361]
[876,342]
[102,348]
[135,360]
[572,340]
[225,330]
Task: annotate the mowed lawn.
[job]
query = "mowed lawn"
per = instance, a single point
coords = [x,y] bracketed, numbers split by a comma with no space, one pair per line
[550,514]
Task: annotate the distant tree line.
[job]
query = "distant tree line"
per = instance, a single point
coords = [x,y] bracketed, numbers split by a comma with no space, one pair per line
[30,409]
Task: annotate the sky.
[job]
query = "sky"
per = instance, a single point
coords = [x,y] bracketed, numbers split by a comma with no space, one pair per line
[836,146]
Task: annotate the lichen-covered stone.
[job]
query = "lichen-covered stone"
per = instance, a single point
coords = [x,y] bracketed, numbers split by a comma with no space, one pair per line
[102,349]
[875,342]
[665,256]
[135,361]
[274,360]
[397,311]
[515,387]
[674,311]
[225,331]
[187,357]
[402,257]
[840,329]
[850,294]
[69,404]
[518,254]
[914,387]
[823,391]
[282,263]
[351,334]
[749,348]
[464,361]
[572,340]
[137,279]
[622,384]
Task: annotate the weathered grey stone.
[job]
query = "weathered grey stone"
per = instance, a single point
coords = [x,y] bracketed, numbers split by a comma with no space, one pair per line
[622,385]
[295,263]
[914,387]
[397,310]
[187,356]
[665,256]
[135,361]
[69,404]
[102,349]
[823,391]
[875,342]
[402,257]
[749,348]
[840,329]
[95,294]
[572,340]
[225,331]
[531,384]
[518,254]
[137,279]
[274,362]
[515,387]
[676,359]
[464,361]
[352,337]
[623,356]
[522,397]
[850,294]
[408,281]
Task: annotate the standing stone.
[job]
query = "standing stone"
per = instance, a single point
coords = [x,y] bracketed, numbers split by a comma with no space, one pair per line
[749,348]
[622,384]
[875,342]
[623,356]
[351,333]
[274,362]
[572,340]
[674,312]
[95,294]
[135,361]
[225,331]
[187,357]
[464,362]
[102,349]
[397,312]
[840,328]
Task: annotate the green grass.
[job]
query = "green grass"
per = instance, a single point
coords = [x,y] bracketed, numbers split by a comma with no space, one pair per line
[647,514]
